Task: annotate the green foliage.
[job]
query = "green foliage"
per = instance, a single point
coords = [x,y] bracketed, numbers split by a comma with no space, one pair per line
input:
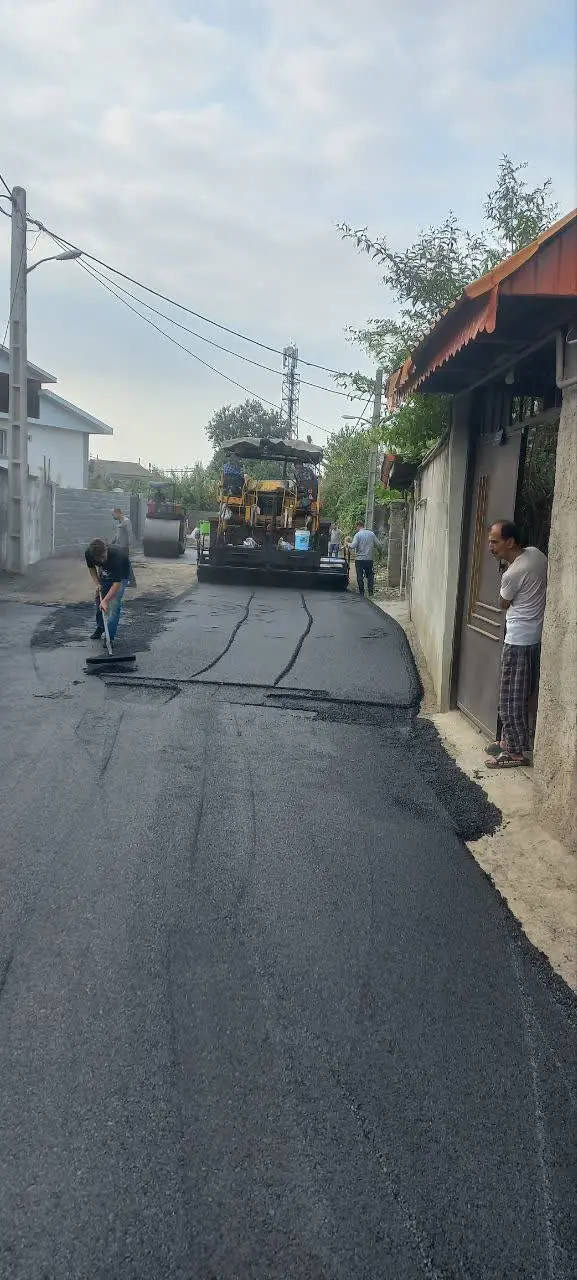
[197,488]
[251,418]
[416,426]
[430,274]
[345,475]
[515,215]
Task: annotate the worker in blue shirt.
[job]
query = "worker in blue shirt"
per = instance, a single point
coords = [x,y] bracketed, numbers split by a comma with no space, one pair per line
[363,545]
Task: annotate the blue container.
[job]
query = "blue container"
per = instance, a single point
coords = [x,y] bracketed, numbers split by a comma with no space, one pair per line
[302,539]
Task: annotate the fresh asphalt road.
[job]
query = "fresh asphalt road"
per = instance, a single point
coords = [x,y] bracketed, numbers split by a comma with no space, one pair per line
[261,1014]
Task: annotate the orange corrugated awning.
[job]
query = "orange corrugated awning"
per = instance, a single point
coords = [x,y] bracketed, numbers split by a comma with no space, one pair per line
[552,273]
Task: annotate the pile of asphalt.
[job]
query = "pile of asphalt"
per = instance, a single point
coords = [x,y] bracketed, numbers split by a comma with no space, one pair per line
[471,812]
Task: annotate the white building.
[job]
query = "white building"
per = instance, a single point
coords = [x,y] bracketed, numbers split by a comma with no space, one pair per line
[58,432]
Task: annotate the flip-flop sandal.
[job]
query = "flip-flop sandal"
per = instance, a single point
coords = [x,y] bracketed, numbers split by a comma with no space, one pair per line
[505,761]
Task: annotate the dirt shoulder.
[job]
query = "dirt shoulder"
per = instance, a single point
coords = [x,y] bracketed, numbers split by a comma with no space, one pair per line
[65,581]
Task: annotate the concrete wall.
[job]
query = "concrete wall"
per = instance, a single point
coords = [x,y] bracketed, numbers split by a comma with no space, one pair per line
[82,514]
[436,550]
[429,561]
[40,518]
[396,533]
[555,755]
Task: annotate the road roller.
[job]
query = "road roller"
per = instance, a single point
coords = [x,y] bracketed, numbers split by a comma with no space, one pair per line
[270,529]
[165,524]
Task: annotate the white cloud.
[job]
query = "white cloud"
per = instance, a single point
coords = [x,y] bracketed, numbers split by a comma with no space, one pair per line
[209,147]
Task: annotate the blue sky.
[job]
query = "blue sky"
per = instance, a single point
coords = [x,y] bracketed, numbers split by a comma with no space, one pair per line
[209,147]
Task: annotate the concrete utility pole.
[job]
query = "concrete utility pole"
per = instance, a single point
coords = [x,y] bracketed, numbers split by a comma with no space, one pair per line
[18,393]
[374,454]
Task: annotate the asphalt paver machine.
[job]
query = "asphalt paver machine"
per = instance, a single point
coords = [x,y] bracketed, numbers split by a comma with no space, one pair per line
[271,528]
[165,524]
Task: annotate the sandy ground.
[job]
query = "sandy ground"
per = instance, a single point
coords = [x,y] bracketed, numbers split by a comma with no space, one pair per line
[65,580]
[534,873]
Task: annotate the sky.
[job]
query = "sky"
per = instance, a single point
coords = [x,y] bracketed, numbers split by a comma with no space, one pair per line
[210,147]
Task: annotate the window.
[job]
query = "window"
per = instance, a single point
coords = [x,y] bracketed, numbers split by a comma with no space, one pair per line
[3,444]
[479,538]
[33,396]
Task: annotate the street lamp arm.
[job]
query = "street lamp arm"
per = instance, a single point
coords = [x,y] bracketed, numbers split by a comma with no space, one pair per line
[68,256]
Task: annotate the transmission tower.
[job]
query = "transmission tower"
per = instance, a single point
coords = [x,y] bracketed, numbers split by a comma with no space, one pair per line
[289,412]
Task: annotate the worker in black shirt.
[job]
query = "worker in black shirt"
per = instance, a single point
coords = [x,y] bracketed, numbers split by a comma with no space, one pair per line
[110,569]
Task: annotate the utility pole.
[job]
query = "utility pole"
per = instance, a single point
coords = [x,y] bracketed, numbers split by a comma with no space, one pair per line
[290,391]
[18,393]
[374,454]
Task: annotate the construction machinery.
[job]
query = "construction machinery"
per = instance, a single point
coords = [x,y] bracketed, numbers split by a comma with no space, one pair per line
[165,524]
[271,528]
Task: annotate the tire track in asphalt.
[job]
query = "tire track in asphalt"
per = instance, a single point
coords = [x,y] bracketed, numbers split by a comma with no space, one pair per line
[229,642]
[298,646]
[267,647]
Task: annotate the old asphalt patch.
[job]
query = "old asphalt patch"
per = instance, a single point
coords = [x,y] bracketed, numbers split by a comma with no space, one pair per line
[143,619]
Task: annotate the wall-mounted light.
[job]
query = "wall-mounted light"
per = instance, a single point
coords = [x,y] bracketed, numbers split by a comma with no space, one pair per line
[510,378]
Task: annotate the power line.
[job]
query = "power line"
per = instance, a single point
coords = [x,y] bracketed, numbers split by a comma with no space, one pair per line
[337,373]
[111,289]
[202,337]
[5,184]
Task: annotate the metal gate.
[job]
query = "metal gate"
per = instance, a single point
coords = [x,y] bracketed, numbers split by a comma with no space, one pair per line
[496,471]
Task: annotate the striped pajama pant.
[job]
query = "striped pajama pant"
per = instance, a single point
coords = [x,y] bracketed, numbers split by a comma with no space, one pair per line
[519,679]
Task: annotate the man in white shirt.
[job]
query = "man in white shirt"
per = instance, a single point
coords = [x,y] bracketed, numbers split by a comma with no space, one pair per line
[334,541]
[363,545]
[523,594]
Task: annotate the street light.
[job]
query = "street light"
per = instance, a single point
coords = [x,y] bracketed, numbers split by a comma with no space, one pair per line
[68,256]
[18,383]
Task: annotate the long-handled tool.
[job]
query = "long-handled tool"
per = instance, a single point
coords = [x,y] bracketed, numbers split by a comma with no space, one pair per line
[109,658]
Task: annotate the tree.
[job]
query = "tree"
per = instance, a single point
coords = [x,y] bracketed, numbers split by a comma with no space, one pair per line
[345,475]
[251,418]
[425,278]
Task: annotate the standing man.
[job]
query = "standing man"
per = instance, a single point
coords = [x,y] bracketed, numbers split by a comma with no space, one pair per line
[334,541]
[363,545]
[109,569]
[122,538]
[523,593]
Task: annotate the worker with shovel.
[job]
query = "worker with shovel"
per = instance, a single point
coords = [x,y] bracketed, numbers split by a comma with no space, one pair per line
[110,569]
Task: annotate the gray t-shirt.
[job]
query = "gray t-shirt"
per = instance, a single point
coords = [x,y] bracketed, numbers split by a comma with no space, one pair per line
[364,543]
[122,535]
[524,583]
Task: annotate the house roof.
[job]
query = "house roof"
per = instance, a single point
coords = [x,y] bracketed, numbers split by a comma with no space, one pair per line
[534,289]
[111,467]
[35,373]
[93,425]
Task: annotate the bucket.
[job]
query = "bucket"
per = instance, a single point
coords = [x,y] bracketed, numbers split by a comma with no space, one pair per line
[302,539]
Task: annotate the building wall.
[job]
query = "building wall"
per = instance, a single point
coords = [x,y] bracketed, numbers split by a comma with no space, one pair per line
[58,454]
[429,560]
[555,755]
[436,550]
[396,534]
